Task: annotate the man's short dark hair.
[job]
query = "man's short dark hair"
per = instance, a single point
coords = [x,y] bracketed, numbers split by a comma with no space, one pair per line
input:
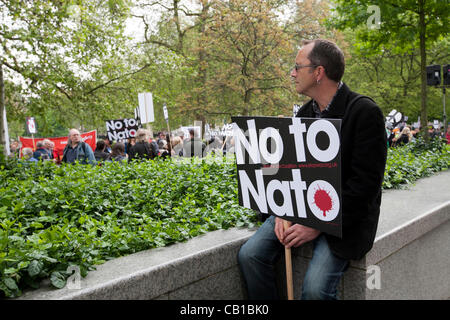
[192,132]
[100,145]
[327,54]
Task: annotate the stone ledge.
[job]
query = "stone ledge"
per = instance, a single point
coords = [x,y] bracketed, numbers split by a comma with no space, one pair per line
[392,241]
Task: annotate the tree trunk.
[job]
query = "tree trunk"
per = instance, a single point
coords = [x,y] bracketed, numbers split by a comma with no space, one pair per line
[202,62]
[423,72]
[2,108]
[247,97]
[176,19]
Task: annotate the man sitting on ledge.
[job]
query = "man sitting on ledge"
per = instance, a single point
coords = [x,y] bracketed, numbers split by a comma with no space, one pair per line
[319,67]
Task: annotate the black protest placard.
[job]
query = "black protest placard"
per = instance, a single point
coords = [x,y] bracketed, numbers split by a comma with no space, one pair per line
[122,129]
[291,168]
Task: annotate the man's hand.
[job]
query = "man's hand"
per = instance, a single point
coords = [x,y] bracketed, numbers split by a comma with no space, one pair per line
[295,235]
[279,228]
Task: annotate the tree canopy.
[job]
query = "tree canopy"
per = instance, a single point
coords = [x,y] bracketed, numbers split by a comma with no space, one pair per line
[402,27]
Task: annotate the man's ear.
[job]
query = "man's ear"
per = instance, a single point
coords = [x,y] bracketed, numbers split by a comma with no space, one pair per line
[320,72]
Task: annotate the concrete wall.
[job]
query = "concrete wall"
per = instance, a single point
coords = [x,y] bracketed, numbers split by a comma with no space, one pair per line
[411,253]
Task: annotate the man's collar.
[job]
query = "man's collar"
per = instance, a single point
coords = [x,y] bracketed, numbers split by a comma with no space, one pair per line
[339,102]
[326,111]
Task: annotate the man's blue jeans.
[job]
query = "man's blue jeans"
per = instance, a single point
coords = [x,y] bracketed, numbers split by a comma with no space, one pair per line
[257,258]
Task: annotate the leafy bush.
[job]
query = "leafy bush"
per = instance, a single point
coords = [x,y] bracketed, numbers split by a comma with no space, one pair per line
[415,160]
[54,217]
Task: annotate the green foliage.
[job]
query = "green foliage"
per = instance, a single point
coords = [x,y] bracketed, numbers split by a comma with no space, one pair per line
[415,160]
[59,54]
[54,217]
[393,80]
[399,23]
[403,27]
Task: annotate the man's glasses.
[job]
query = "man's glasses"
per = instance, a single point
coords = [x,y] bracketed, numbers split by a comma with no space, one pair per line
[299,66]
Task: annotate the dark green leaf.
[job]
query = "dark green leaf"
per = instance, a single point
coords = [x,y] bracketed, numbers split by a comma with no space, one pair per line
[58,280]
[35,268]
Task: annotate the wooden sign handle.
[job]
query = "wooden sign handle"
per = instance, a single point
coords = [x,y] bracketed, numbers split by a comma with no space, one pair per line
[289,282]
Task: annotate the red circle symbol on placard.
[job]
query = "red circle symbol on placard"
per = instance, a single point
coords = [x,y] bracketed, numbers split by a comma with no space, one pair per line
[323,200]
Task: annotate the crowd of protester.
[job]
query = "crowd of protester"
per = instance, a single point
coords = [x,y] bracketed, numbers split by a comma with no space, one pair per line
[401,135]
[145,147]
[140,147]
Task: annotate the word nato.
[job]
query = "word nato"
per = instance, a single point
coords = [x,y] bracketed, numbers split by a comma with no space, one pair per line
[258,150]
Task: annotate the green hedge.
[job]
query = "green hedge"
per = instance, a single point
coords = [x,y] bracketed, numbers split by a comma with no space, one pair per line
[53,217]
[415,160]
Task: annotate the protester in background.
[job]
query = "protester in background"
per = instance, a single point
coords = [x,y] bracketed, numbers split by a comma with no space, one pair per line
[99,153]
[177,146]
[53,151]
[142,150]
[14,149]
[194,146]
[107,145]
[77,150]
[161,136]
[432,132]
[40,153]
[27,155]
[118,152]
[49,146]
[319,67]
[163,149]
[154,145]
[405,137]
[394,137]
[131,142]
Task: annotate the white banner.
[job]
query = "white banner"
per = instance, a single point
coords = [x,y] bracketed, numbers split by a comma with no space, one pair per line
[166,113]
[5,125]
[146,107]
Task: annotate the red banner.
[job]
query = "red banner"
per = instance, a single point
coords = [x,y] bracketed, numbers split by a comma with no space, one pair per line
[60,143]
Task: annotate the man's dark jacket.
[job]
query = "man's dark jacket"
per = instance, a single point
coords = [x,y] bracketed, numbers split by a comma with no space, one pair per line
[363,159]
[39,152]
[142,150]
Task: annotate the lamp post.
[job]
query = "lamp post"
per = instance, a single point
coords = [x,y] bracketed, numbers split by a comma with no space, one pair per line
[445,113]
[434,79]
